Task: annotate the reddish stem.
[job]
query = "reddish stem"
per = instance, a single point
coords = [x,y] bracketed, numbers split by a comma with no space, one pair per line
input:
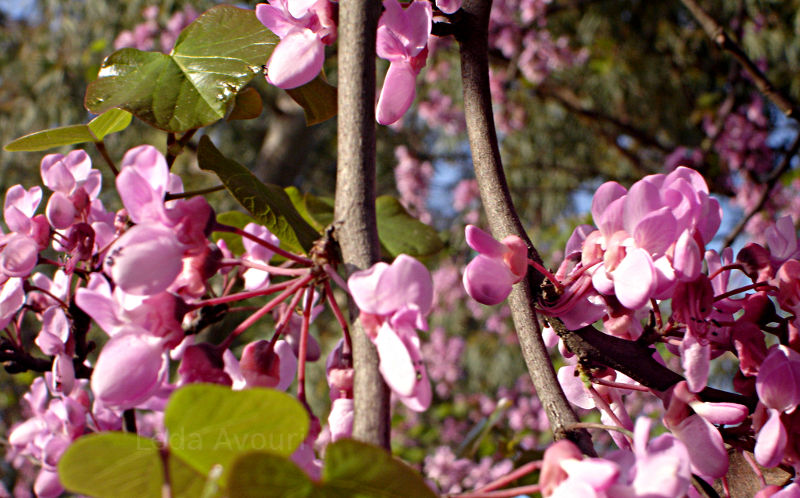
[544,271]
[620,385]
[337,312]
[301,351]
[744,289]
[241,296]
[219,227]
[504,493]
[511,476]
[731,267]
[277,270]
[264,310]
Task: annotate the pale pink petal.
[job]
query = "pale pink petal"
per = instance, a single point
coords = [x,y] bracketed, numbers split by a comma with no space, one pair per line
[128,370]
[406,283]
[19,256]
[487,280]
[274,19]
[55,174]
[695,358]
[145,260]
[778,380]
[340,420]
[60,211]
[771,441]
[706,448]
[687,260]
[396,365]
[296,60]
[397,94]
[721,413]
[363,286]
[389,46]
[483,243]
[655,232]
[150,164]
[573,387]
[642,199]
[288,365]
[634,279]
[603,197]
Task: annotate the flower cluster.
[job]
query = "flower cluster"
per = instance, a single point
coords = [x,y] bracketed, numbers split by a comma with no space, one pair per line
[649,247]
[151,278]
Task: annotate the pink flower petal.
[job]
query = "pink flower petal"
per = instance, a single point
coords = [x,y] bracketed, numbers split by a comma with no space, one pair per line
[771,441]
[483,243]
[396,365]
[145,260]
[634,279]
[397,94]
[487,280]
[706,448]
[296,60]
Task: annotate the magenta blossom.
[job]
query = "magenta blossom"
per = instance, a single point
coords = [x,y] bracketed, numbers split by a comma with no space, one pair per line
[499,265]
[403,41]
[394,300]
[304,27]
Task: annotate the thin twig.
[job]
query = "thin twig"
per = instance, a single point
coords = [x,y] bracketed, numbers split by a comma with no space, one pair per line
[775,176]
[719,36]
[101,148]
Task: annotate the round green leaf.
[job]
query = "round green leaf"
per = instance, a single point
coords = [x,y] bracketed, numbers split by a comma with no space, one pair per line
[356,469]
[111,121]
[259,475]
[213,58]
[210,425]
[113,464]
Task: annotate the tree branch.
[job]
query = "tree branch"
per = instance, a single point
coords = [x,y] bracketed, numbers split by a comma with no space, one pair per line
[503,219]
[719,36]
[355,199]
[783,167]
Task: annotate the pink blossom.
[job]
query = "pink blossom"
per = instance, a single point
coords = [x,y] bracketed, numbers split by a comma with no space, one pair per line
[304,27]
[394,300]
[499,265]
[778,380]
[130,369]
[340,419]
[402,40]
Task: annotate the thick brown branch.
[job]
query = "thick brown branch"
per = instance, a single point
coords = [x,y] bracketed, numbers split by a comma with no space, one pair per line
[503,219]
[355,198]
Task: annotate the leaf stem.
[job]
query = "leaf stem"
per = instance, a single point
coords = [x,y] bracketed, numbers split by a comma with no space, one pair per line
[101,148]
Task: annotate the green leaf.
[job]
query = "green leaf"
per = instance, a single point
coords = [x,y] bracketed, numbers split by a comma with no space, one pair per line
[213,58]
[317,211]
[235,219]
[109,122]
[269,204]
[317,98]
[401,233]
[352,469]
[247,105]
[113,464]
[355,469]
[261,474]
[210,425]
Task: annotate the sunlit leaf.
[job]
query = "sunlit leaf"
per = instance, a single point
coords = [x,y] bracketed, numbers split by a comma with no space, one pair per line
[113,464]
[111,121]
[213,58]
[210,425]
